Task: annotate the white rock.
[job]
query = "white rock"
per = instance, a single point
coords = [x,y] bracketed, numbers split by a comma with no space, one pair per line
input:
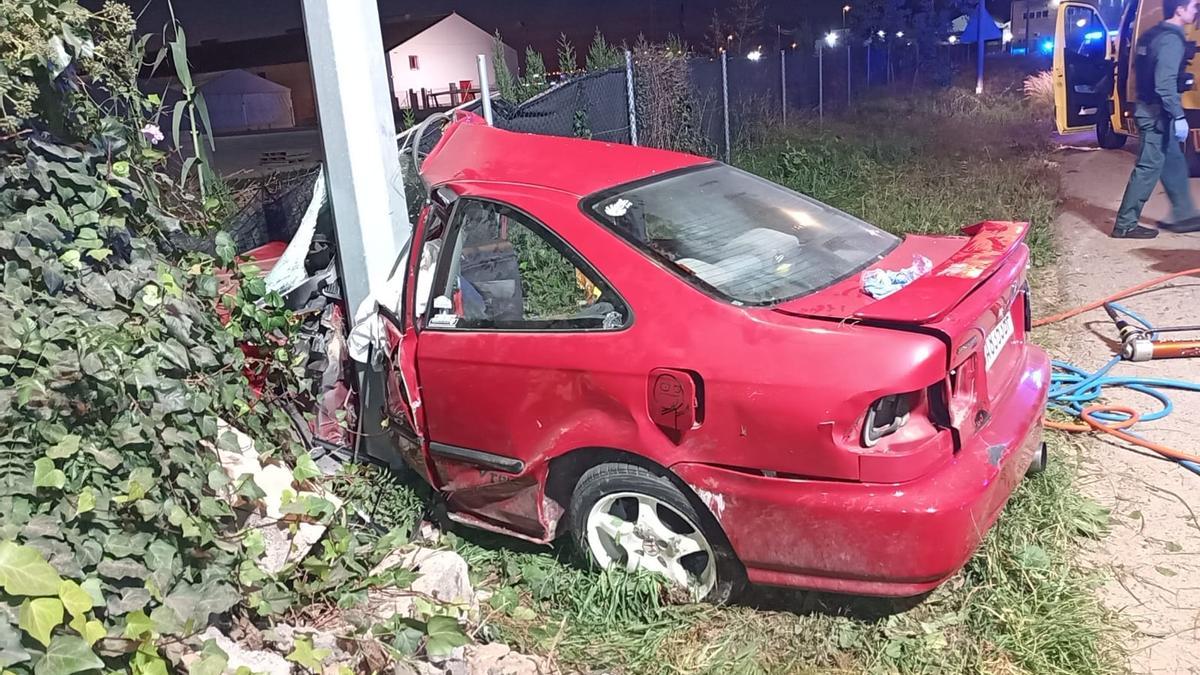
[267,663]
[283,546]
[498,659]
[441,575]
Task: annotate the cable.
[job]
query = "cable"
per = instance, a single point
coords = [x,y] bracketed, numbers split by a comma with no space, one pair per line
[1115,297]
[1073,390]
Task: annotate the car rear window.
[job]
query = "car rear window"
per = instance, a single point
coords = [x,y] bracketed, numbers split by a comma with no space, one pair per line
[745,238]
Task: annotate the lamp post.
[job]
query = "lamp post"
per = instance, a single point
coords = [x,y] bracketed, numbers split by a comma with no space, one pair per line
[845,11]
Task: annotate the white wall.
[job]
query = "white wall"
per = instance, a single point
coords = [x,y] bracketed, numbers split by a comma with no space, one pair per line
[446,52]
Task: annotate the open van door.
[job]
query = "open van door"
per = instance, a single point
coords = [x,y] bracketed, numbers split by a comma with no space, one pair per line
[1083,71]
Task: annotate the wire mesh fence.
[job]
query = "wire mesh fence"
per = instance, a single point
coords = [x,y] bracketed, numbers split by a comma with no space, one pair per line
[710,105]
[594,105]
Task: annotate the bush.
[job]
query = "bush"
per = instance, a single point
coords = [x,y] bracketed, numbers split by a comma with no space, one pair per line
[114,368]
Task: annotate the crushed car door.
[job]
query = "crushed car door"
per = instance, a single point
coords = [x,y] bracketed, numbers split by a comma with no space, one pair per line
[1083,71]
[523,344]
[400,314]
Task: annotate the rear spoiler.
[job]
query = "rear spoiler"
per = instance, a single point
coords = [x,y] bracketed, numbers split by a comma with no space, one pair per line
[929,298]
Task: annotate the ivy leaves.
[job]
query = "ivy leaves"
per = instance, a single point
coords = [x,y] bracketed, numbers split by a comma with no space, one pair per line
[47,600]
[23,572]
[113,369]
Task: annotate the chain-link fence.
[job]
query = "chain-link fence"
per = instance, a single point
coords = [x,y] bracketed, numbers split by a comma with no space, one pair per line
[710,105]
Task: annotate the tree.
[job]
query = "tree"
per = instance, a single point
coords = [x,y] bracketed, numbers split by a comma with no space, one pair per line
[716,35]
[924,23]
[747,18]
[506,82]
[603,55]
[534,81]
[568,62]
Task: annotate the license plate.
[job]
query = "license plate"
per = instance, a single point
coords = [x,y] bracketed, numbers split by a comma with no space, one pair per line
[997,339]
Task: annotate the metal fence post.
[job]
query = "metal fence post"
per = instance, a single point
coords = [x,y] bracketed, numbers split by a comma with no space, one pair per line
[783,83]
[820,81]
[725,101]
[849,70]
[485,89]
[633,134]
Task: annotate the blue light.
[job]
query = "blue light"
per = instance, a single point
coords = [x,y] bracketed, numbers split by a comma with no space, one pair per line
[1094,35]
[1047,46]
[1018,51]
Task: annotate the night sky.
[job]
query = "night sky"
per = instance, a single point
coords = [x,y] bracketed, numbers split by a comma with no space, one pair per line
[522,22]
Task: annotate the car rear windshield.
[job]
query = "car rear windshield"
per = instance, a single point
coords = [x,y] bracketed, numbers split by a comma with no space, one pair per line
[750,240]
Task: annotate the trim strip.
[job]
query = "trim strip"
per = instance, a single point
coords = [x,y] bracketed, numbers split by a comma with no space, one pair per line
[486,460]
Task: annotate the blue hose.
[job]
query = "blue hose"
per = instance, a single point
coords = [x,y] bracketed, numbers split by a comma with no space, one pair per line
[1072,388]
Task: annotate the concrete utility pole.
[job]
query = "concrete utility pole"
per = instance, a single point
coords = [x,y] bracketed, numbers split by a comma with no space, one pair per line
[366,187]
[358,131]
[980,49]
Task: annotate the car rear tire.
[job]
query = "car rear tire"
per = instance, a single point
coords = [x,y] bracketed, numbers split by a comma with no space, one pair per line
[1106,136]
[1040,459]
[622,515]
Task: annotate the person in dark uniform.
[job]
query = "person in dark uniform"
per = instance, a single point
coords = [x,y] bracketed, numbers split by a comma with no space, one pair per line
[1160,66]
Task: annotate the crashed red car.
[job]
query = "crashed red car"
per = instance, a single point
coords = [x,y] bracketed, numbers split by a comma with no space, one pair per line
[675,362]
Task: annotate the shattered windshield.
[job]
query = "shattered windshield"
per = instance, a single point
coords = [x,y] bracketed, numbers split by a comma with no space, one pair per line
[751,240]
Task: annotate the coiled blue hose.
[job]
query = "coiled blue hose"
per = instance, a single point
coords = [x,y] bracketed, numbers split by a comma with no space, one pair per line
[1073,388]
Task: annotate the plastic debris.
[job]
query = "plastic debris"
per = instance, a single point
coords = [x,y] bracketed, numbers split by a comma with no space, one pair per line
[879,283]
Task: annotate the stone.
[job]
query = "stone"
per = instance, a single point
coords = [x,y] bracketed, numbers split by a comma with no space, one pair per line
[442,576]
[283,636]
[264,662]
[498,659]
[284,545]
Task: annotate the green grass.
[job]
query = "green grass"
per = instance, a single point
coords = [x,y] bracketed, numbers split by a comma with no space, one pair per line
[1023,604]
[929,165]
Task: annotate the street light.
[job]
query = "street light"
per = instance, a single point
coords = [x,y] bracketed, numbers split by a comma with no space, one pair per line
[900,34]
[882,34]
[755,55]
[953,39]
[845,10]
[831,39]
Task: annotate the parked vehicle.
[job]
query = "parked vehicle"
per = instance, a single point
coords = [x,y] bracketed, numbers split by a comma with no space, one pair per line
[1095,83]
[673,362]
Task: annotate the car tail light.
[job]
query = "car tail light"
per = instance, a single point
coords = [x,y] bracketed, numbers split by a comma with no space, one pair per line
[965,396]
[886,416]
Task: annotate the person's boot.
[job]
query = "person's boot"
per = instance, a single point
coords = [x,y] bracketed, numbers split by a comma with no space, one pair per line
[1136,232]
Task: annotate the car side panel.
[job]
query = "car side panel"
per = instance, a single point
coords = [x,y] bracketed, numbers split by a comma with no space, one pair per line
[779,393]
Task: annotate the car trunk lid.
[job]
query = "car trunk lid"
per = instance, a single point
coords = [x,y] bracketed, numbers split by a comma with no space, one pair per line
[971,298]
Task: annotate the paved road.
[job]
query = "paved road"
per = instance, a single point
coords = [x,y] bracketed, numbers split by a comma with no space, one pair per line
[1154,547]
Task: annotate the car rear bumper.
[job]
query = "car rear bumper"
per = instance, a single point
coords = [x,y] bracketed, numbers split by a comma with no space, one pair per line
[898,539]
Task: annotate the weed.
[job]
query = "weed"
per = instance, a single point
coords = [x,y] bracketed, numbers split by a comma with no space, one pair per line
[1039,92]
[913,179]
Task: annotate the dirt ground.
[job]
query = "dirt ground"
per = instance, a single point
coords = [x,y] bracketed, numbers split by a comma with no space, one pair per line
[1153,551]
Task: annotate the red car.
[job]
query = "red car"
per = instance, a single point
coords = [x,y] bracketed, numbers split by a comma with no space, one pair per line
[675,362]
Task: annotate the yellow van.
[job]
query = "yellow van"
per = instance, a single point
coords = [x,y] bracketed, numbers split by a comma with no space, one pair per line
[1094,84]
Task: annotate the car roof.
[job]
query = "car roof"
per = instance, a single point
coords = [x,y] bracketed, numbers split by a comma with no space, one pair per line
[470,150]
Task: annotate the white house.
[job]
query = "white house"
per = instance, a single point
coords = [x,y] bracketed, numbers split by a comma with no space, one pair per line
[440,55]
[237,100]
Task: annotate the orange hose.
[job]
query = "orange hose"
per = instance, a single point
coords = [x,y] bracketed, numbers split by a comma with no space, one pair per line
[1115,297]
[1117,429]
